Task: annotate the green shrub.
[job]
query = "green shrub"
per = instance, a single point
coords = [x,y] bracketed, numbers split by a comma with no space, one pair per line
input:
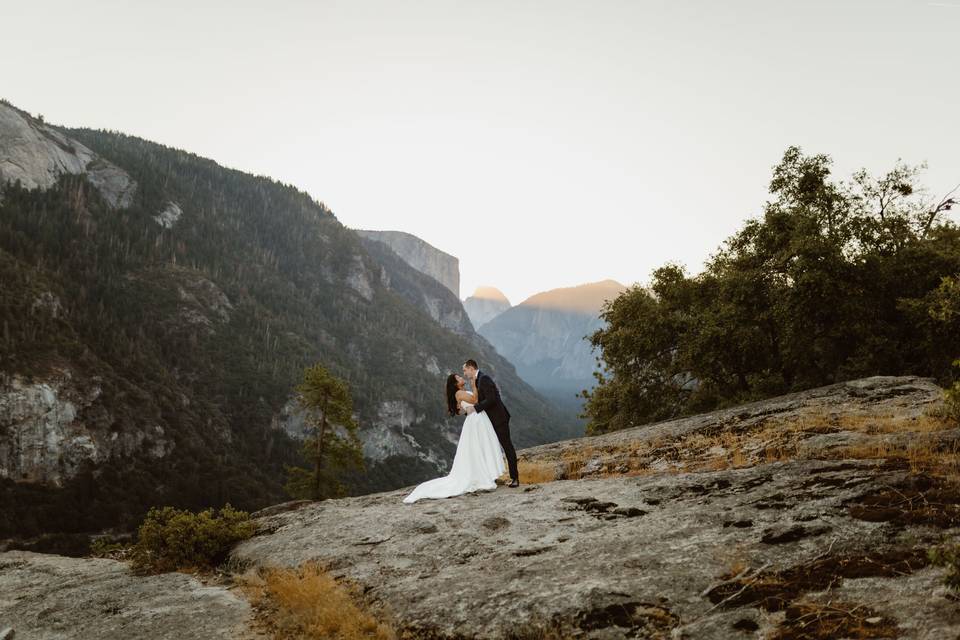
[170,539]
[947,555]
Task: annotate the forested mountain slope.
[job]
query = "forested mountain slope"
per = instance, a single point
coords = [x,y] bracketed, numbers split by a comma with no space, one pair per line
[151,342]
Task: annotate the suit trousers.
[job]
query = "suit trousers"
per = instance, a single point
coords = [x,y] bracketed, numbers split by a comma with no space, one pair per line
[503,435]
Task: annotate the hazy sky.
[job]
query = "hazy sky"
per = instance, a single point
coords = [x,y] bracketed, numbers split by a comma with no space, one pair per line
[545,143]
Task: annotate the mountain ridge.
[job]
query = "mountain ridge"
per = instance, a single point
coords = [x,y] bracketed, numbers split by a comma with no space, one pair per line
[156,345]
[588,297]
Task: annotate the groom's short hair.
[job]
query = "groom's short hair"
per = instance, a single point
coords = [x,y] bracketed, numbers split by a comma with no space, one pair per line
[471,363]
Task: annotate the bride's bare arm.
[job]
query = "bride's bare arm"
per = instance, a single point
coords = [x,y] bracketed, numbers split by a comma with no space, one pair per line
[463,394]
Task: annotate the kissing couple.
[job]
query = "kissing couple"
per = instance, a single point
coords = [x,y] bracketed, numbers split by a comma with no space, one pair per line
[484,439]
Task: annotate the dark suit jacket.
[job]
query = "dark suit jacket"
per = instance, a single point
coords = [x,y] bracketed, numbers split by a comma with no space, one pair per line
[488,399]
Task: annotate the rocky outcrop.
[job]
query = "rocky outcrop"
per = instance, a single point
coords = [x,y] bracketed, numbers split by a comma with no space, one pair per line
[358,278]
[44,438]
[484,305]
[390,435]
[769,548]
[44,596]
[398,435]
[544,336]
[292,420]
[622,558]
[36,155]
[387,437]
[200,303]
[811,414]
[168,216]
[423,257]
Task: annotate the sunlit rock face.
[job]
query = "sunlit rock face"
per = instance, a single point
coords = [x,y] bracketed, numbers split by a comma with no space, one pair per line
[36,155]
[423,257]
[484,305]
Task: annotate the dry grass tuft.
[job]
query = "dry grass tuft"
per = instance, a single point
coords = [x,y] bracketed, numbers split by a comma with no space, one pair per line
[575,460]
[807,620]
[536,471]
[309,604]
[768,441]
[820,422]
[927,458]
[923,457]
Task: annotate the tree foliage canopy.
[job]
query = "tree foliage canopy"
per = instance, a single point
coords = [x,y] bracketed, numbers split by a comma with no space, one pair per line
[836,280]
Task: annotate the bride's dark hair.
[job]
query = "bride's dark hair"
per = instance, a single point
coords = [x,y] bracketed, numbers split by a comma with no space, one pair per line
[452,388]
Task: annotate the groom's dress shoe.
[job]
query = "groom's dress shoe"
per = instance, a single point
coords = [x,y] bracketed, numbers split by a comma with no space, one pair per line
[514,483]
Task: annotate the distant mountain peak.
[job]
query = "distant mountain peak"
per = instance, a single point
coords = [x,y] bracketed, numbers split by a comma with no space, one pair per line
[489,293]
[585,298]
[485,304]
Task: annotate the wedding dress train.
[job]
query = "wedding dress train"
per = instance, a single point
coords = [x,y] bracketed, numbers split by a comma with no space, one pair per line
[477,463]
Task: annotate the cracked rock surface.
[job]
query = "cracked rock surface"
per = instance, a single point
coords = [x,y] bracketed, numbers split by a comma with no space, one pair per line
[615,557]
[48,597]
[715,554]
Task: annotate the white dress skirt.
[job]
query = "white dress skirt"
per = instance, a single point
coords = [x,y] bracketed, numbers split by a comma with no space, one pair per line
[477,463]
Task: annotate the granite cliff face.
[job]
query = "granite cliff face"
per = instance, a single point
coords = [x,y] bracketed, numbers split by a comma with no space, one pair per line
[803,516]
[421,289]
[484,305]
[423,257]
[544,336]
[36,155]
[52,428]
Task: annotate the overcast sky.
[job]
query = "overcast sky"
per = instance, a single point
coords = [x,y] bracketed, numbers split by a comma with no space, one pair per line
[545,144]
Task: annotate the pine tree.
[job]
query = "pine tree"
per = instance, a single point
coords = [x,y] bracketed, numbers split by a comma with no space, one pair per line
[334,445]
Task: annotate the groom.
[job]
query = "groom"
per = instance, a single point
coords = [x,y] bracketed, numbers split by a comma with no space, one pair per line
[488,399]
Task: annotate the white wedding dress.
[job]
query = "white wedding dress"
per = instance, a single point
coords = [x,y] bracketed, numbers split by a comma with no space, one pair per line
[477,463]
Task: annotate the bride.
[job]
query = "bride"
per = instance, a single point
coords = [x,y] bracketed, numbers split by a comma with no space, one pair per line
[478,461]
